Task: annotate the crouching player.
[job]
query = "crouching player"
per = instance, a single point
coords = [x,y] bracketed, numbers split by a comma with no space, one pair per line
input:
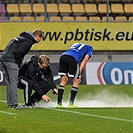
[35,74]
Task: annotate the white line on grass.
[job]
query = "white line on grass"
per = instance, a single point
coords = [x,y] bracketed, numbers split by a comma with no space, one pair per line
[9,113]
[5,112]
[3,101]
[75,112]
[91,115]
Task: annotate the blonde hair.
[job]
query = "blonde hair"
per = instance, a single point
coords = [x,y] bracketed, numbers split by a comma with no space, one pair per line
[44,59]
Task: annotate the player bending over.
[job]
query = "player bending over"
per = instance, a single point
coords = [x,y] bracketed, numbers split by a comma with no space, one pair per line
[71,64]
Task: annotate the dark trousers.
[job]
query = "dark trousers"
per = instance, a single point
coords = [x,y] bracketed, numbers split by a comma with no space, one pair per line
[27,86]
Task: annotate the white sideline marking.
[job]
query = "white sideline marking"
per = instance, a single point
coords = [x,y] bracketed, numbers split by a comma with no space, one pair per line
[75,112]
[9,113]
[5,112]
[91,115]
[3,101]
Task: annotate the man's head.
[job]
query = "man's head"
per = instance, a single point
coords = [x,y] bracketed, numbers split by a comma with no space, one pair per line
[38,35]
[43,61]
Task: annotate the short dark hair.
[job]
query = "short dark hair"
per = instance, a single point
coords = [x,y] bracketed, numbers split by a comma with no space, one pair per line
[39,33]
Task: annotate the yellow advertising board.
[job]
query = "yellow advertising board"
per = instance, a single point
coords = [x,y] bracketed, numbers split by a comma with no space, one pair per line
[60,35]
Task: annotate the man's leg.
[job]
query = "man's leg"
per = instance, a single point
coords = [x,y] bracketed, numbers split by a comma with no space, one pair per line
[60,94]
[11,70]
[27,86]
[74,91]
[61,87]
[43,84]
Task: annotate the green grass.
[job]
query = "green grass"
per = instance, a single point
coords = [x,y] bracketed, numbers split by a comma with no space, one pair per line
[78,120]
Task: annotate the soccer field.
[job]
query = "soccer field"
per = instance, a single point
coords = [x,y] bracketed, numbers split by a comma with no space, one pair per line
[101,109]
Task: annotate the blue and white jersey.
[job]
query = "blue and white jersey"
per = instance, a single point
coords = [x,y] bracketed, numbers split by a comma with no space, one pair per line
[78,51]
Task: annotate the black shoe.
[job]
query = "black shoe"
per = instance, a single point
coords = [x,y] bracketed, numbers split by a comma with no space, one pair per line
[15,106]
[34,101]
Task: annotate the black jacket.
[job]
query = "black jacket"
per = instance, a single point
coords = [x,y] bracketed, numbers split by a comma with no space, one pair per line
[32,71]
[17,48]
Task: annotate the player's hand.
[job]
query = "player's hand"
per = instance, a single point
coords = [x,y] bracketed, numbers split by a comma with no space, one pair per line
[55,91]
[76,82]
[79,76]
[46,98]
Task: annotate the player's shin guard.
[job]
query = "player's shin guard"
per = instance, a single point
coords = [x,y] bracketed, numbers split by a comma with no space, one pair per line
[74,91]
[60,94]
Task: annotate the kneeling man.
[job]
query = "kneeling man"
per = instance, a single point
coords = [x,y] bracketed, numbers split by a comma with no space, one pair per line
[35,74]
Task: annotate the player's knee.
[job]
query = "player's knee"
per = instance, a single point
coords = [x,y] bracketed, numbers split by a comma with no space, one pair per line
[64,80]
[76,82]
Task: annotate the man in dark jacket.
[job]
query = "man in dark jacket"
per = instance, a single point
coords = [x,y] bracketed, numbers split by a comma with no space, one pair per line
[35,74]
[12,58]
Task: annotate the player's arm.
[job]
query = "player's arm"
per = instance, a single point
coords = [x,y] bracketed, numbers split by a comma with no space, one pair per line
[84,62]
[32,76]
[49,76]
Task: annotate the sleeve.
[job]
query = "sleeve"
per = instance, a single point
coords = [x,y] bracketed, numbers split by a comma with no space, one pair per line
[48,75]
[90,51]
[32,75]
